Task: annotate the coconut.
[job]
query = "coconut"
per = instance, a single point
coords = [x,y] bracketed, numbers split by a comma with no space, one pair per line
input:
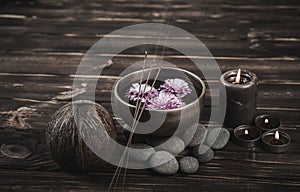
[77,132]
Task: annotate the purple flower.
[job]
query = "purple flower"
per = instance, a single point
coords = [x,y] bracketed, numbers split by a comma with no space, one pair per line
[176,86]
[164,101]
[145,91]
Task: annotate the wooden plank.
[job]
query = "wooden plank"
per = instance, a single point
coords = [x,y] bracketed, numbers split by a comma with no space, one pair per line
[35,114]
[233,157]
[258,48]
[50,89]
[274,69]
[232,164]
[99,182]
[265,42]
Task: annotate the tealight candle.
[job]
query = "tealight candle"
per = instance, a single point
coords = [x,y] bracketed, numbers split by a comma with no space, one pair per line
[267,122]
[276,141]
[241,92]
[246,135]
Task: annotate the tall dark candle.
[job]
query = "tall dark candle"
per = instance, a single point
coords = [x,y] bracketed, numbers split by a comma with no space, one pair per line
[241,97]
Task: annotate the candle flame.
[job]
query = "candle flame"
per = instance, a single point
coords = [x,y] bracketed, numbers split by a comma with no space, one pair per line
[238,76]
[246,132]
[266,121]
[276,135]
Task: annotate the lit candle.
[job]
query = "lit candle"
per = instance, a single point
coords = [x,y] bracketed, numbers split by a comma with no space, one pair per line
[267,122]
[246,135]
[276,141]
[240,92]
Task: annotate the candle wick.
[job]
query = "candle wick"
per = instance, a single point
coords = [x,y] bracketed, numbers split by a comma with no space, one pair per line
[238,77]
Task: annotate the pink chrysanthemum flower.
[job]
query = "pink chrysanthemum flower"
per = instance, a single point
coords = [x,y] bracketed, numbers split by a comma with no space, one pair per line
[176,86]
[145,90]
[165,101]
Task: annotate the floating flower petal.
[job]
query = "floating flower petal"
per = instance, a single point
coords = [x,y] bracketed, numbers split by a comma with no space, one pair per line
[178,87]
[165,101]
[145,90]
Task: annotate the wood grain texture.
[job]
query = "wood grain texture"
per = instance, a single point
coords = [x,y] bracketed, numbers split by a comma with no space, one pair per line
[42,43]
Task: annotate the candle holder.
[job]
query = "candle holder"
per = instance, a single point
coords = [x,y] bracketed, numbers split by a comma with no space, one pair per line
[241,93]
[267,122]
[276,141]
[246,135]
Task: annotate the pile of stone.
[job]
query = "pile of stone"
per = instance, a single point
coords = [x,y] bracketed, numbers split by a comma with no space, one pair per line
[182,152]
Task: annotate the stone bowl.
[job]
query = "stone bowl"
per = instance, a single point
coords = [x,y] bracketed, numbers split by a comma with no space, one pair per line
[163,122]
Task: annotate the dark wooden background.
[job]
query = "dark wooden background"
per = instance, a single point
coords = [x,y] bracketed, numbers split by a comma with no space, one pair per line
[42,43]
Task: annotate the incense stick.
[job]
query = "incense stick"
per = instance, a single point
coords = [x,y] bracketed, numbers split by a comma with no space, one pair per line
[135,114]
[135,125]
[135,122]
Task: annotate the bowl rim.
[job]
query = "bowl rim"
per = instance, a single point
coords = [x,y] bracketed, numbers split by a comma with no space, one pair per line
[172,68]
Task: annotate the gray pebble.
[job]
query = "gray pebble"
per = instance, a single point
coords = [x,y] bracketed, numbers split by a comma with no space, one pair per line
[188,164]
[217,138]
[164,162]
[173,144]
[141,151]
[203,153]
[193,137]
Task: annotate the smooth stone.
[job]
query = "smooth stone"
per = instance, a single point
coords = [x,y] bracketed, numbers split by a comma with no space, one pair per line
[173,144]
[188,165]
[192,137]
[217,138]
[164,162]
[141,151]
[203,153]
